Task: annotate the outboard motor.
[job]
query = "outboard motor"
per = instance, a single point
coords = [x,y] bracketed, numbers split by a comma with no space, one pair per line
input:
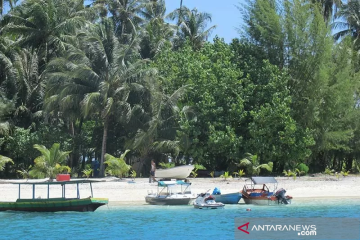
[280,195]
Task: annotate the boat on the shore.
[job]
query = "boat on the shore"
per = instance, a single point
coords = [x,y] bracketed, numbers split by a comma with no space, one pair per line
[228,198]
[171,193]
[48,204]
[179,172]
[266,194]
[207,201]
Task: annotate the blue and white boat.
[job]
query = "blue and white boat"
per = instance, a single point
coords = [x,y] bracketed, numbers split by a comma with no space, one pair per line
[227,198]
[171,193]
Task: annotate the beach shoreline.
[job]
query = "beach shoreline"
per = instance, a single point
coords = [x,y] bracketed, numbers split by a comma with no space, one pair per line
[127,192]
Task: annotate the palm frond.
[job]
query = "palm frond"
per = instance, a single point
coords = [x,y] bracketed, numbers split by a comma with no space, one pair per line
[4,160]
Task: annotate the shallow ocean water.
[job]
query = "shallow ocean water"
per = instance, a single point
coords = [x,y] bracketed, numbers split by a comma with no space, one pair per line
[160,222]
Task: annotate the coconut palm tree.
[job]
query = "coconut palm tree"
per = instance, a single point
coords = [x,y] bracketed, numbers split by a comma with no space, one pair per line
[30,87]
[8,74]
[50,162]
[159,133]
[100,77]
[347,21]
[12,4]
[8,84]
[42,24]
[192,25]
[328,7]
[126,16]
[156,33]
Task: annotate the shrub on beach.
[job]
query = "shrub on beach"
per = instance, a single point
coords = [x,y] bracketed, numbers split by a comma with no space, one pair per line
[303,168]
[49,163]
[116,166]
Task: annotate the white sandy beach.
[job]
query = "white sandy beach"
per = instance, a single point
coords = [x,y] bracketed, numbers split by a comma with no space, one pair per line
[120,191]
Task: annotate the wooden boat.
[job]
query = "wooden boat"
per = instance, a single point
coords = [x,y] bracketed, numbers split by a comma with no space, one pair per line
[48,204]
[258,192]
[180,172]
[168,194]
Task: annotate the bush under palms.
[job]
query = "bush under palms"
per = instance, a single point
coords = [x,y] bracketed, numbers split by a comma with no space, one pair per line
[49,164]
[253,166]
[116,166]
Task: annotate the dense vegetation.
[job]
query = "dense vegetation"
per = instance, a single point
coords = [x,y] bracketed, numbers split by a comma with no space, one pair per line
[119,75]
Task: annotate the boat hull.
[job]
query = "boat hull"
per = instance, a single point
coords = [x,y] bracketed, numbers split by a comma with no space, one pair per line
[180,172]
[263,199]
[229,198]
[54,205]
[168,200]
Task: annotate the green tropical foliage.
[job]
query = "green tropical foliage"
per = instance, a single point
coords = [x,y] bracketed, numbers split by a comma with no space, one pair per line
[117,166]
[302,167]
[192,26]
[133,174]
[346,22]
[4,160]
[167,165]
[87,171]
[251,162]
[25,173]
[240,173]
[49,164]
[226,175]
[289,173]
[111,75]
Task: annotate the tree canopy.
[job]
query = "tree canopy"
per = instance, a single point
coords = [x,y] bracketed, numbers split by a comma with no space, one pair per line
[112,76]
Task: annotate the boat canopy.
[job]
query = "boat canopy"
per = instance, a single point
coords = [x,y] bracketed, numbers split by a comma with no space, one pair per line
[56,182]
[263,180]
[171,183]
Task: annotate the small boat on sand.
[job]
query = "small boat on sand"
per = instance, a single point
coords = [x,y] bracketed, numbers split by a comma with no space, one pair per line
[260,192]
[171,193]
[89,204]
[179,172]
[227,198]
[207,201]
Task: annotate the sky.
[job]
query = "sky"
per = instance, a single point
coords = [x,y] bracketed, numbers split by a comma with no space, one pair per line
[224,14]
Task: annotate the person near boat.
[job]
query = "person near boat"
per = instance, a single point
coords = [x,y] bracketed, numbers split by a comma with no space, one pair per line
[152,172]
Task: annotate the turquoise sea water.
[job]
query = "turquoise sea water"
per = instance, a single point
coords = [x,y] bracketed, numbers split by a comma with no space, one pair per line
[160,222]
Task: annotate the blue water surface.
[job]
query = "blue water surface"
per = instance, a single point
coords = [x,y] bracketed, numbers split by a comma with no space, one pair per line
[160,222]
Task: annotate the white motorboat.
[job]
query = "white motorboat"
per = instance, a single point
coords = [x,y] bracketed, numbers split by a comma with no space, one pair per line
[168,193]
[180,172]
[207,201]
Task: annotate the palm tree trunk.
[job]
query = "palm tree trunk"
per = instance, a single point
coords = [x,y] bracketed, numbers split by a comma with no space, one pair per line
[103,148]
[180,13]
[72,132]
